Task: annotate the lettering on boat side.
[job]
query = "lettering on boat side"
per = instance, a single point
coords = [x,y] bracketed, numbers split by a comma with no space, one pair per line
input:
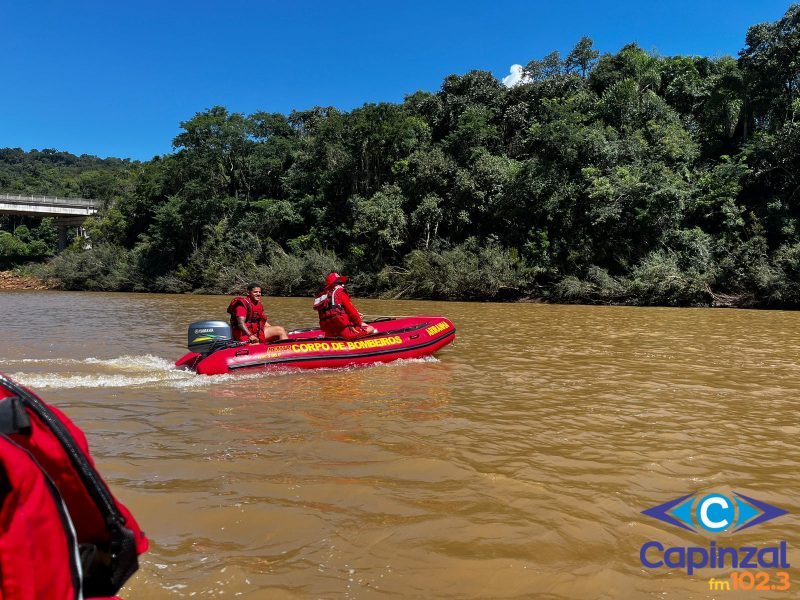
[374,343]
[440,326]
[713,514]
[330,346]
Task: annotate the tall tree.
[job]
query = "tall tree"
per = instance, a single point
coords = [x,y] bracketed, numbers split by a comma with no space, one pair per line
[583,56]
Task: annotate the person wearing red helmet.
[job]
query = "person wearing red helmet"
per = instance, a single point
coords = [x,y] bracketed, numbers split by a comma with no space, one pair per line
[337,315]
[249,321]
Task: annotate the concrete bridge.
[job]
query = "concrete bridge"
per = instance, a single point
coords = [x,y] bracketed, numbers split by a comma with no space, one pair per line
[68,213]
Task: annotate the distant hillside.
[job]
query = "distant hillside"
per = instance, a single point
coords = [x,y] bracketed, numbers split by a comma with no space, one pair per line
[54,173]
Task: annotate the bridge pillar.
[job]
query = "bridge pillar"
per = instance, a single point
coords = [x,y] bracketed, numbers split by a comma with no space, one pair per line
[65,224]
[62,236]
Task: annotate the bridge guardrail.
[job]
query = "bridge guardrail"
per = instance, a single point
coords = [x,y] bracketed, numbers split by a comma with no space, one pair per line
[38,200]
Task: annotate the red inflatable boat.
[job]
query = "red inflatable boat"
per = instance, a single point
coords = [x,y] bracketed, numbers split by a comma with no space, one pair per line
[214,353]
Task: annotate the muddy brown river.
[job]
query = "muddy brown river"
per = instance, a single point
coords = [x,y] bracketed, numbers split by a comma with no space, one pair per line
[514,464]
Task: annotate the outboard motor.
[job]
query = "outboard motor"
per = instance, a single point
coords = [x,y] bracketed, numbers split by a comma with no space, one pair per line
[205,334]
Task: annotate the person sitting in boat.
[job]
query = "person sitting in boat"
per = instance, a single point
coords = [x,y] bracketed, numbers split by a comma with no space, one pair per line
[249,321]
[337,315]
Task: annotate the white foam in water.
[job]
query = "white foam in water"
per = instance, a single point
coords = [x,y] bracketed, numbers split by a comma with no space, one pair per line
[144,370]
[59,380]
[124,371]
[407,361]
[52,361]
[134,363]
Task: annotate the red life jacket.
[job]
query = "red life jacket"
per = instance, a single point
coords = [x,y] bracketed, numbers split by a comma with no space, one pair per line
[38,551]
[333,317]
[255,320]
[108,538]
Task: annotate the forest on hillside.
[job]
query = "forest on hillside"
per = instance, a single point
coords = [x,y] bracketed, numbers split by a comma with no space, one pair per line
[617,178]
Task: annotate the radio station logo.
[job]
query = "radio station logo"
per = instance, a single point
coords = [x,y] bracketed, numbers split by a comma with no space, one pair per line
[713,514]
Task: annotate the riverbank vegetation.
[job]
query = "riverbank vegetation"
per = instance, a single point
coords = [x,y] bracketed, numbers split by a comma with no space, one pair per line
[618,178]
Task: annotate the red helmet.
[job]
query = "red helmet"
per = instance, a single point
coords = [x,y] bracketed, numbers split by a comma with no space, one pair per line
[334,278]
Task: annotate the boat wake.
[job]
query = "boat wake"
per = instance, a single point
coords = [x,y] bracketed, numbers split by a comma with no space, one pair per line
[134,371]
[123,371]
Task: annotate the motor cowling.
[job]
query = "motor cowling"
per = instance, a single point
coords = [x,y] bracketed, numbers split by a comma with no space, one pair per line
[202,334]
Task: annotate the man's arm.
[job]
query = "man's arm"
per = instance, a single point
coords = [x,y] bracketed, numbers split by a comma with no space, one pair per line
[243,326]
[349,308]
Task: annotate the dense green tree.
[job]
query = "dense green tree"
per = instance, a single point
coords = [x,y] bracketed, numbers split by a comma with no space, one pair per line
[379,225]
[771,63]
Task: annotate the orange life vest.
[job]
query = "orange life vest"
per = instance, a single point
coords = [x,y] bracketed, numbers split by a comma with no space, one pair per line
[255,318]
[333,318]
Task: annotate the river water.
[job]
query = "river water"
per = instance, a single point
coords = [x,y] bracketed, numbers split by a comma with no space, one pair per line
[515,464]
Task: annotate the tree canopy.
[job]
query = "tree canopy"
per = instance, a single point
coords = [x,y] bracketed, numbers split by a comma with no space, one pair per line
[627,177]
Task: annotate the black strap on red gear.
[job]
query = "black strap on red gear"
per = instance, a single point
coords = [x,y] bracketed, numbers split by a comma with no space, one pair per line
[110,568]
[13,416]
[328,309]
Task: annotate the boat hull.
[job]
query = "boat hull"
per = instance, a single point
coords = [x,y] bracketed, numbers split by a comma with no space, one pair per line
[397,338]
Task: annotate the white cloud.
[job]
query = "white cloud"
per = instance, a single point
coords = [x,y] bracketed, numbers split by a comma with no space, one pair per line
[515,77]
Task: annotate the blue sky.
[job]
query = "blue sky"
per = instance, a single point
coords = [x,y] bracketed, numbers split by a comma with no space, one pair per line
[116,78]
